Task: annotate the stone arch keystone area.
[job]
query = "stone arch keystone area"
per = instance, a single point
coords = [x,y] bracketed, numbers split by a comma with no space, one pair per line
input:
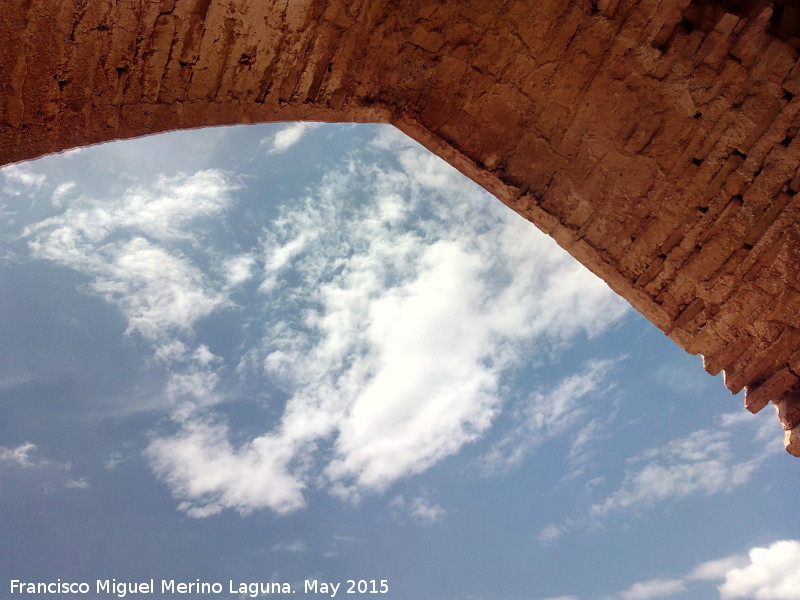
[655,140]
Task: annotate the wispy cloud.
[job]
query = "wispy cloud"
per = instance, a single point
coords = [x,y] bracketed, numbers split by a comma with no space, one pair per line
[701,463]
[293,547]
[552,532]
[288,136]
[653,588]
[585,443]
[61,191]
[157,291]
[545,415]
[20,456]
[419,508]
[21,178]
[238,269]
[160,210]
[77,484]
[24,458]
[129,246]
[406,312]
[113,461]
[389,323]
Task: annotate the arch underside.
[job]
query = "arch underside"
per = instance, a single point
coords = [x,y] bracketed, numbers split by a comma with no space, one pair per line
[655,141]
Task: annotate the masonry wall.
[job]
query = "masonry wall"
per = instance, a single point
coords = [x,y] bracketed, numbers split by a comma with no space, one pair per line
[654,140]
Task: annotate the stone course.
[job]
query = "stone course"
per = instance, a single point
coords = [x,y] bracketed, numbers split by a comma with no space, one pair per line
[656,141]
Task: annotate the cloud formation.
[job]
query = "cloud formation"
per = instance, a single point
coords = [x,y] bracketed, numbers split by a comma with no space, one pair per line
[130,248]
[78,484]
[701,463]
[202,466]
[771,573]
[46,472]
[390,325]
[289,136]
[419,508]
[19,456]
[545,415]
[653,588]
[21,178]
[393,302]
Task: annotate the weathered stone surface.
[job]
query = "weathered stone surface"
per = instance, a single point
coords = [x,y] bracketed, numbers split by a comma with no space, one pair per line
[791,440]
[655,141]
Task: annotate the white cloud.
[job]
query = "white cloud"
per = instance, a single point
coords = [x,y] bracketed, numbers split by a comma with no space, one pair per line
[426,392]
[406,313]
[170,351]
[585,444]
[203,356]
[773,574]
[191,389]
[426,511]
[73,152]
[713,570]
[47,473]
[700,463]
[22,176]
[113,461]
[293,547]
[654,588]
[584,439]
[158,292]
[205,470]
[61,191]
[160,211]
[398,358]
[127,247]
[19,456]
[419,508]
[133,251]
[238,269]
[289,136]
[79,484]
[764,425]
[740,417]
[545,415]
[552,532]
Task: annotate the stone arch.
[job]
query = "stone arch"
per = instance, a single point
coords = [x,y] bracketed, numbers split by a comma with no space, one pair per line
[655,141]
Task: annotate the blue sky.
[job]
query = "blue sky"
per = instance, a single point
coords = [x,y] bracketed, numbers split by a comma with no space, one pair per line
[294,351]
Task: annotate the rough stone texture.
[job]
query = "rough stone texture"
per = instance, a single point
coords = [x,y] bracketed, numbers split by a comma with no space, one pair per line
[792,441]
[654,140]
